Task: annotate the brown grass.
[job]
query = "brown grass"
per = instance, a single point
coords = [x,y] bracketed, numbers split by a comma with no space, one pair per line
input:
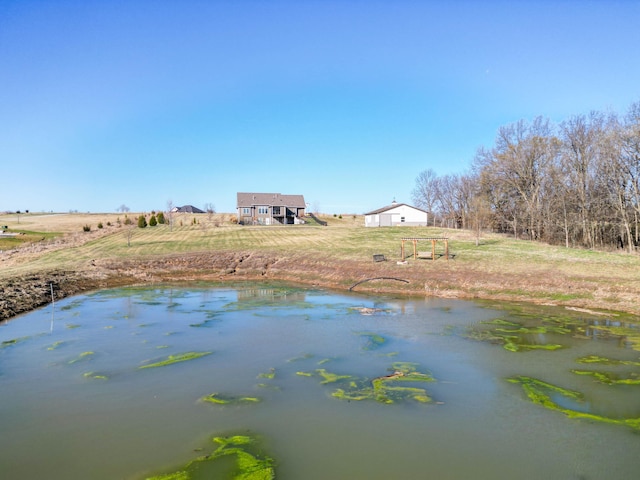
[337,256]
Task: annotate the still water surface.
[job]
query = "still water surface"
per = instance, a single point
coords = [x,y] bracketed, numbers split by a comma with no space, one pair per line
[75,404]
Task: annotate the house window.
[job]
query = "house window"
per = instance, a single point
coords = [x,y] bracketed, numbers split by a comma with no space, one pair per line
[276,210]
[246,210]
[402,219]
[263,210]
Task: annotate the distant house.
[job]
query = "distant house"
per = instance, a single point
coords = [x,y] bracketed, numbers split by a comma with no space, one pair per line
[396,214]
[187,209]
[270,209]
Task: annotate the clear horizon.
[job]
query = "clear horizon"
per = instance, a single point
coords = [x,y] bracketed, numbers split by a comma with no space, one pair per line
[344,102]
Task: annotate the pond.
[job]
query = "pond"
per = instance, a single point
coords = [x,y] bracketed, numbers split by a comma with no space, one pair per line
[260,381]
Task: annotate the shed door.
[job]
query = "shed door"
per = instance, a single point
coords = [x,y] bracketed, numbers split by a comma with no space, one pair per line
[385,220]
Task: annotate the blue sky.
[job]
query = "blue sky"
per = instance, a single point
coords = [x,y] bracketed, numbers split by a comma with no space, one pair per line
[104,103]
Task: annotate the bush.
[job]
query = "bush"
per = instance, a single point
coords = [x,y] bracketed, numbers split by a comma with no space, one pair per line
[86,228]
[100,225]
[127,220]
[152,221]
[142,222]
[160,218]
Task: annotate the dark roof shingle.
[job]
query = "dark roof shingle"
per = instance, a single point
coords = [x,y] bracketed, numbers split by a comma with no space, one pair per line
[248,199]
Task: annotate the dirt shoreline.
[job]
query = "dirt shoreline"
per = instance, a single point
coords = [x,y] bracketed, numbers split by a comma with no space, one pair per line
[24,293]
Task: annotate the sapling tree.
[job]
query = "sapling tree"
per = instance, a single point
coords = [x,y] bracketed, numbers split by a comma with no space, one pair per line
[170,214]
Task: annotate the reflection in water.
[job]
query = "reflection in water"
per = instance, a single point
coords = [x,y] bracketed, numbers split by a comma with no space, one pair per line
[333,386]
[255,296]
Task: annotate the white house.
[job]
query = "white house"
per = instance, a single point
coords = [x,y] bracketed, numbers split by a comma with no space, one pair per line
[396,214]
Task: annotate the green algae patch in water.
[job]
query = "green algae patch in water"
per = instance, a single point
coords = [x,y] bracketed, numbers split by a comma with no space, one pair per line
[391,388]
[627,332]
[55,345]
[250,462]
[374,340]
[82,357]
[532,323]
[171,476]
[609,378]
[218,399]
[305,356]
[325,360]
[15,341]
[250,465]
[386,389]
[543,393]
[72,305]
[499,321]
[270,375]
[605,361]
[515,337]
[327,377]
[516,347]
[181,357]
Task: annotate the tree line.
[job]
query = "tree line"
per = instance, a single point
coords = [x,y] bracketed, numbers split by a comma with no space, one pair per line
[576,183]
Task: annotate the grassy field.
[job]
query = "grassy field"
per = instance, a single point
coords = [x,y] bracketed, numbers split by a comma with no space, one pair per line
[341,253]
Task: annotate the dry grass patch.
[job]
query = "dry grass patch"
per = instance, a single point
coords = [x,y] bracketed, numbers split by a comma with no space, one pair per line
[337,256]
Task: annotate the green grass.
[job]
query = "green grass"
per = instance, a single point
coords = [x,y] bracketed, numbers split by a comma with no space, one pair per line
[350,242]
[531,270]
[23,237]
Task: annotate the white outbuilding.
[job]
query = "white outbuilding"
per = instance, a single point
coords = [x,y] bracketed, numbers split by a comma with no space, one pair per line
[396,214]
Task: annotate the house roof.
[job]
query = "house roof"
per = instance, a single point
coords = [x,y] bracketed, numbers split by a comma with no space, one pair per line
[273,199]
[188,209]
[392,206]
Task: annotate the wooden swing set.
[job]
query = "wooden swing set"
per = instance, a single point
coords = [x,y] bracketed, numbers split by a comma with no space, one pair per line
[427,255]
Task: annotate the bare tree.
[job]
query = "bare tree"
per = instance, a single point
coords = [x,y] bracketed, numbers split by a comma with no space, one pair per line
[579,160]
[425,193]
[519,164]
[210,209]
[122,208]
[575,184]
[500,193]
[170,214]
[128,233]
[450,196]
[629,144]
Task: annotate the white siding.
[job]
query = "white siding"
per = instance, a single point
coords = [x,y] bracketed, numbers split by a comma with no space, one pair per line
[402,215]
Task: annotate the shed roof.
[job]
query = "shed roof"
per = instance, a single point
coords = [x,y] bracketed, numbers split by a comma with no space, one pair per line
[392,206]
[274,199]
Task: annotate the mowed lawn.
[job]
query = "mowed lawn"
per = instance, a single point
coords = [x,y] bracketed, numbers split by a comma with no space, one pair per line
[343,239]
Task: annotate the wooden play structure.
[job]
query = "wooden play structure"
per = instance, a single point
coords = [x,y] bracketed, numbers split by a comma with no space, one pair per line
[427,255]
